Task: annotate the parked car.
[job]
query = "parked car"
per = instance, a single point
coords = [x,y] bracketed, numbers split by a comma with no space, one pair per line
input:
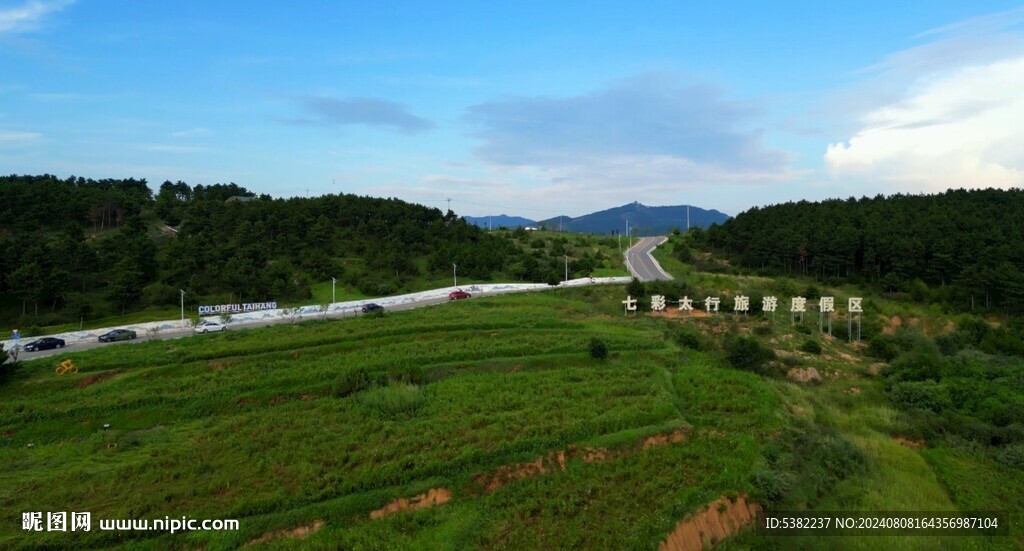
[118,335]
[371,307]
[207,326]
[458,294]
[46,343]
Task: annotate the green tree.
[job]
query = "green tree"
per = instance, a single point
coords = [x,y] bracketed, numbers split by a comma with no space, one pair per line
[28,283]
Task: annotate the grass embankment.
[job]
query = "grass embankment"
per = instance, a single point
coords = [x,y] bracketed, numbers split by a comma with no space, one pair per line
[256,426]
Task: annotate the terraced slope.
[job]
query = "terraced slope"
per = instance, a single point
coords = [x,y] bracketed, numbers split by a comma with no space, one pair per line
[482,424]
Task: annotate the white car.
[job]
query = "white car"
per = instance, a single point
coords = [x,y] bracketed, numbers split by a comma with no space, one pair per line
[209,326]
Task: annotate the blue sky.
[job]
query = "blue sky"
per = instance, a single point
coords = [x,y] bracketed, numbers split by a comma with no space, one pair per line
[533,109]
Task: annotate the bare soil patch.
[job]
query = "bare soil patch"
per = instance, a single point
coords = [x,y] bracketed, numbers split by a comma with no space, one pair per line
[892,325]
[219,365]
[712,524]
[912,444]
[663,439]
[90,380]
[433,497]
[297,532]
[800,375]
[558,460]
[675,313]
[555,461]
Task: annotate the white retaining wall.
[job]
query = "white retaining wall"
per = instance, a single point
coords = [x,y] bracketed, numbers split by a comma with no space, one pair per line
[335,309]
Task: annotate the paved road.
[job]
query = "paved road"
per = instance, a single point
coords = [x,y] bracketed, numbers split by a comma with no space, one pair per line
[642,264]
[235,325]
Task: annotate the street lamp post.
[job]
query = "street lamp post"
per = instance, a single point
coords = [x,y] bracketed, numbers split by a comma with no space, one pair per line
[334,297]
[182,308]
[455,277]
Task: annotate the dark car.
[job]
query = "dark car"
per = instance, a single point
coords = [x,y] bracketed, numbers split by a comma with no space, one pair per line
[371,307]
[44,344]
[118,335]
[457,294]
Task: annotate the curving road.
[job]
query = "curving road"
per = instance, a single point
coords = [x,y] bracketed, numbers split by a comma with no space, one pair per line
[351,309]
[180,333]
[640,262]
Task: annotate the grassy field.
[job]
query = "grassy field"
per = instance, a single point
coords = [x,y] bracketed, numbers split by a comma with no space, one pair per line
[251,426]
[308,429]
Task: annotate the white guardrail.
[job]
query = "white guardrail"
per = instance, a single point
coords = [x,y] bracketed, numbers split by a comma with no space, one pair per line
[313,311]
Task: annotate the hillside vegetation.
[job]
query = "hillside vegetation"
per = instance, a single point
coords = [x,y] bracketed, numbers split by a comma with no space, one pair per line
[79,250]
[498,424]
[960,248]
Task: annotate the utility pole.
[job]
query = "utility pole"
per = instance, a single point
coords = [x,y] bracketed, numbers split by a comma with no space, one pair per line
[687,217]
[449,204]
[567,268]
[182,308]
[334,281]
[455,277]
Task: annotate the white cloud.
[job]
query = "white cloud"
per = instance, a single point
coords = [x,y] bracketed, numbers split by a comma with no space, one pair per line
[954,128]
[165,148]
[16,137]
[649,138]
[194,132]
[28,15]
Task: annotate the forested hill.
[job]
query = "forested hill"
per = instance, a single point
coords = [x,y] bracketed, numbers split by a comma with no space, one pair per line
[72,248]
[961,247]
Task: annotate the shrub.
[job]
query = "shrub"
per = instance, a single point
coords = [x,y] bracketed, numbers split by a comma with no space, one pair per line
[351,382]
[840,457]
[7,365]
[811,346]
[840,330]
[393,400]
[1012,456]
[747,353]
[636,288]
[916,366]
[883,347]
[973,330]
[771,485]
[682,252]
[949,344]
[689,337]
[598,349]
[763,330]
[409,374]
[926,395]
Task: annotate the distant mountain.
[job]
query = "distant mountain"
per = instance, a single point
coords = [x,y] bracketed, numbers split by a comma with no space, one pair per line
[500,221]
[642,219]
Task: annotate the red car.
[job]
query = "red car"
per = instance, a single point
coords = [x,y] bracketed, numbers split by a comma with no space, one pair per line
[457,294]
